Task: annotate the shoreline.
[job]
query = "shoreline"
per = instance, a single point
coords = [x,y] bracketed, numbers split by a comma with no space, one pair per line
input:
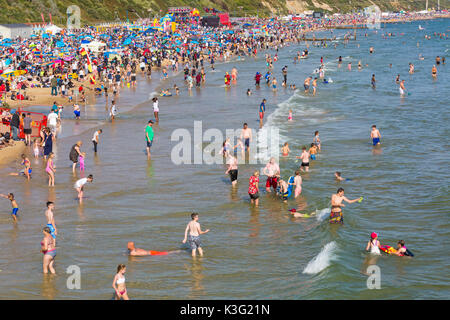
[41,96]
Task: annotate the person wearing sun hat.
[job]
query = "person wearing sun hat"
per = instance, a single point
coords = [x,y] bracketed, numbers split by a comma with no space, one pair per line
[373,246]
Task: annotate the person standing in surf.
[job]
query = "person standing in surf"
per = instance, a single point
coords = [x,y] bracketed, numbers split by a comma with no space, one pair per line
[402,88]
[336,215]
[246,136]
[375,135]
[262,110]
[272,171]
[194,229]
[232,169]
[253,188]
[149,134]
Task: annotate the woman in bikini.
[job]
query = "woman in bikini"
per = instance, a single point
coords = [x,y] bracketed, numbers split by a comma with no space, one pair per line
[119,283]
[49,251]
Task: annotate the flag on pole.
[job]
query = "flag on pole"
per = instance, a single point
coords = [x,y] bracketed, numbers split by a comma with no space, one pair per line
[83,52]
[42,15]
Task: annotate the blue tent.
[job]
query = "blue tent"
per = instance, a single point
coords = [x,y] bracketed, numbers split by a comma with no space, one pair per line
[60,44]
[46,36]
[127,42]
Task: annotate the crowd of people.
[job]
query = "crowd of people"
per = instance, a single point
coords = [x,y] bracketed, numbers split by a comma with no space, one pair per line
[79,71]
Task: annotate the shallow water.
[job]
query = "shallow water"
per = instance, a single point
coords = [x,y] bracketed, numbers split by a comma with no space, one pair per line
[253,253]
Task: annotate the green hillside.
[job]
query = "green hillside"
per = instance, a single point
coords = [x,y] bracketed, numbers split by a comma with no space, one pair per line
[13,11]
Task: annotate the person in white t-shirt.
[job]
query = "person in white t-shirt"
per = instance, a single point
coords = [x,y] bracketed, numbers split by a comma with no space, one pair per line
[79,185]
[52,121]
[95,139]
[156,108]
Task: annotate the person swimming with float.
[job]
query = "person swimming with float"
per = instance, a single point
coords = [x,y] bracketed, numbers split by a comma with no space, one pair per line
[133,251]
[401,250]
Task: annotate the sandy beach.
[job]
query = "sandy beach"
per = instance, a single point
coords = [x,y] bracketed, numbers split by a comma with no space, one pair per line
[12,152]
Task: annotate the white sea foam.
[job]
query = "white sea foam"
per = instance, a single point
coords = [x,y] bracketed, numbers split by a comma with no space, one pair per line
[152,95]
[322,214]
[322,260]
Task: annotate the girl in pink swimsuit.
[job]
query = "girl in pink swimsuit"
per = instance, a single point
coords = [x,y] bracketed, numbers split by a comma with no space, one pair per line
[81,160]
[50,169]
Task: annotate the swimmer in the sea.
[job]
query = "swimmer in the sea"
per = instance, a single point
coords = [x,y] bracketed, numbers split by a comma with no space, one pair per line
[285,149]
[133,251]
[338,176]
[296,214]
[402,250]
[434,72]
[313,151]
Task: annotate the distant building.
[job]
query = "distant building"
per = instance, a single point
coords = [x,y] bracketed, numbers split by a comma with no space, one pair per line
[317,14]
[16,29]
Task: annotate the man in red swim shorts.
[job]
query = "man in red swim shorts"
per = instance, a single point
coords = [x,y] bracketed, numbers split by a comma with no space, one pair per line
[271,170]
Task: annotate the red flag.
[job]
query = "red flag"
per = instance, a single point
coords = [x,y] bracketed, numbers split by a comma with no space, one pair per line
[42,15]
[50,15]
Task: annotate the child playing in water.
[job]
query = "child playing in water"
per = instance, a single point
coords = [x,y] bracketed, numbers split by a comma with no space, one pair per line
[373,246]
[297,183]
[240,144]
[316,139]
[283,191]
[36,148]
[338,176]
[15,206]
[313,151]
[79,185]
[290,115]
[305,160]
[81,160]
[285,150]
[226,148]
[27,171]
[194,234]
